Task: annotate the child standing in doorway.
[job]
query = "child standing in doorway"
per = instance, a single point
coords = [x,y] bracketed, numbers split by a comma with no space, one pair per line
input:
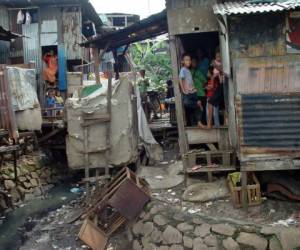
[189,92]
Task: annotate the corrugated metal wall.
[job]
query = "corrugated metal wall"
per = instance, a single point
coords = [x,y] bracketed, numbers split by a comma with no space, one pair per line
[50,28]
[72,22]
[269,124]
[4,46]
[31,46]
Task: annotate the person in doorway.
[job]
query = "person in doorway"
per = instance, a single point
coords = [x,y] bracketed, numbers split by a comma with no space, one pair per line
[59,103]
[199,83]
[211,110]
[49,73]
[50,102]
[203,62]
[189,92]
[217,98]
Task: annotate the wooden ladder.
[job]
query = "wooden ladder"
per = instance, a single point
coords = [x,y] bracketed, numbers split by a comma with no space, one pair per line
[89,120]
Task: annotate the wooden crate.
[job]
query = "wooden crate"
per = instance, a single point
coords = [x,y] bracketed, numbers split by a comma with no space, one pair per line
[253,193]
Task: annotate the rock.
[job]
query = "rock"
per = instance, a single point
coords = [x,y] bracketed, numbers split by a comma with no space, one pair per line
[154,210]
[179,217]
[267,230]
[136,245]
[34,182]
[274,244]
[185,227]
[252,240]
[211,241]
[160,220]
[176,247]
[230,244]
[129,235]
[15,195]
[28,196]
[223,229]
[22,178]
[197,221]
[3,204]
[156,236]
[21,190]
[202,230]
[150,246]
[187,242]
[37,191]
[172,236]
[137,228]
[9,184]
[163,248]
[34,175]
[198,244]
[27,185]
[290,238]
[147,228]
[206,191]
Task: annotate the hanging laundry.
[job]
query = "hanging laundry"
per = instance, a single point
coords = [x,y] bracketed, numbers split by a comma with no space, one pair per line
[20,17]
[28,18]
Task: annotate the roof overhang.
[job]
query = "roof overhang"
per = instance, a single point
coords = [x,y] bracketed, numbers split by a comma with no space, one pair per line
[254,7]
[88,10]
[6,35]
[152,26]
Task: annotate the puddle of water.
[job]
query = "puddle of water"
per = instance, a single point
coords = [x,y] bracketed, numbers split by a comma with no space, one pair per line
[10,235]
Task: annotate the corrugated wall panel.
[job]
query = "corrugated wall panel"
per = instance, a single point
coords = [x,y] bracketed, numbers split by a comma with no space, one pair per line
[4,46]
[31,46]
[49,25]
[269,123]
[72,22]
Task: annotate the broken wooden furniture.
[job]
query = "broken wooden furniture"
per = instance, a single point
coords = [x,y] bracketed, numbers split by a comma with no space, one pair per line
[122,200]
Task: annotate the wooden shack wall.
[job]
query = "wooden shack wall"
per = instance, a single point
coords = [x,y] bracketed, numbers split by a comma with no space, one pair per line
[266,82]
[191,16]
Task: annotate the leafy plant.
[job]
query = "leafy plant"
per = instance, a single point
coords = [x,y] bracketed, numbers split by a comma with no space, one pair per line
[154,57]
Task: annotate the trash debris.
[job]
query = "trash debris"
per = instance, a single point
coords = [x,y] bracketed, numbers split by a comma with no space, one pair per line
[76,190]
[194,210]
[122,200]
[159,177]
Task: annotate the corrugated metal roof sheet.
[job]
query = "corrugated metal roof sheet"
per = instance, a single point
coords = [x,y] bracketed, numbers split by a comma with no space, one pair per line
[246,7]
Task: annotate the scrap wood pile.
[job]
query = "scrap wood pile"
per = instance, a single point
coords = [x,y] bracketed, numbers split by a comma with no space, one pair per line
[122,200]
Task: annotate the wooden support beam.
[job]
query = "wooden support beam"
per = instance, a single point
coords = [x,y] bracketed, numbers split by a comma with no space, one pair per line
[96,65]
[183,143]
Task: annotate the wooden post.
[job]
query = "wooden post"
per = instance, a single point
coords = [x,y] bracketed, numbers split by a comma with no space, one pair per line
[244,189]
[183,143]
[96,65]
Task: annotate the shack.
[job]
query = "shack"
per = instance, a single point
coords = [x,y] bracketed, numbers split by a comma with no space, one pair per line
[58,26]
[260,56]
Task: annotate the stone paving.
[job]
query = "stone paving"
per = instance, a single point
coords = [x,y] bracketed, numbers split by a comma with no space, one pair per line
[167,227]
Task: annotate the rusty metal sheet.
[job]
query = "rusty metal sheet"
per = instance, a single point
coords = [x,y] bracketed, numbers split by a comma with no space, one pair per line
[129,200]
[269,125]
[7,115]
[92,236]
[71,29]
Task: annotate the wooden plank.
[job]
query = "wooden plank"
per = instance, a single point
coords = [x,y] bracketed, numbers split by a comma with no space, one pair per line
[100,117]
[205,169]
[183,143]
[201,136]
[271,165]
[96,65]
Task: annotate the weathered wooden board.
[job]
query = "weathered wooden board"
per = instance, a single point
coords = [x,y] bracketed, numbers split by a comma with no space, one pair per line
[192,20]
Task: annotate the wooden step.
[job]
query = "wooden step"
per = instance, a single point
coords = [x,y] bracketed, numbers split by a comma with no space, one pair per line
[206,169]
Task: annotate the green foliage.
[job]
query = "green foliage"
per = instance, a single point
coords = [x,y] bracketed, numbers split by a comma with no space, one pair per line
[154,57]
